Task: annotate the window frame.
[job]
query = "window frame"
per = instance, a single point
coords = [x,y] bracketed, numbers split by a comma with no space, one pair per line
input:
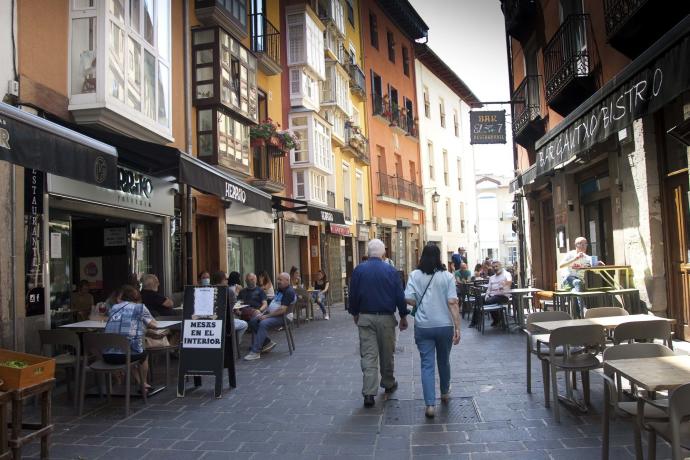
[406,60]
[390,40]
[373,30]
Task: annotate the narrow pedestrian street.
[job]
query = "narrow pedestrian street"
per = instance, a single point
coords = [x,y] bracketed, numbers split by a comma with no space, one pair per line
[309,406]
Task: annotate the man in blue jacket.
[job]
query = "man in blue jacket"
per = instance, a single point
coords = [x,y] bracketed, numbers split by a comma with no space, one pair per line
[375,293]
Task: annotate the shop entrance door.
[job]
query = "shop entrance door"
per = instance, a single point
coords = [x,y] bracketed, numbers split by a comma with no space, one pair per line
[597,223]
[677,249]
[548,244]
[208,252]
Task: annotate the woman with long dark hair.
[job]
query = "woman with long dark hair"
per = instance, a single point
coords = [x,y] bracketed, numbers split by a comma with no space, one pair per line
[431,290]
[321,286]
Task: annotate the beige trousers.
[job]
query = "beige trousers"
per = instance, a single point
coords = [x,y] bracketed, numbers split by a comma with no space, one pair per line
[376,347]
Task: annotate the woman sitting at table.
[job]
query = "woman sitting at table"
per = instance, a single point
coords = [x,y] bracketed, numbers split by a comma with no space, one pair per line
[265,283]
[295,278]
[129,318]
[235,282]
[82,301]
[321,286]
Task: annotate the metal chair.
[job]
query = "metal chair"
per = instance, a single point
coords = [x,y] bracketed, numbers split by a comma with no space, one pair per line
[304,302]
[488,309]
[627,298]
[94,344]
[601,312]
[676,431]
[644,330]
[164,350]
[69,360]
[613,393]
[534,340]
[589,340]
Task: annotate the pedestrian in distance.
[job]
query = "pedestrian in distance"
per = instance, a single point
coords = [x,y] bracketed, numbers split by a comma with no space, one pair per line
[431,290]
[375,293]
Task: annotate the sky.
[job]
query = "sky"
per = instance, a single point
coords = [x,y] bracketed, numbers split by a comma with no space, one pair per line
[469,35]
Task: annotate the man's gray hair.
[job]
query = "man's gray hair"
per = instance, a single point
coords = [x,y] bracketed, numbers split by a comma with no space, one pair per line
[284,275]
[149,281]
[376,248]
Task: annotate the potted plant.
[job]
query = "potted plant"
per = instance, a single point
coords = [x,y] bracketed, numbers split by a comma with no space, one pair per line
[261,134]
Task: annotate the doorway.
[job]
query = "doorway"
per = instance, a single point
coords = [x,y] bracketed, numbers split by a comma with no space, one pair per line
[207,250]
[548,243]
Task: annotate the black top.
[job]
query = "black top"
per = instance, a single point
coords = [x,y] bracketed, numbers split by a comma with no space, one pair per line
[154,302]
[253,297]
[320,285]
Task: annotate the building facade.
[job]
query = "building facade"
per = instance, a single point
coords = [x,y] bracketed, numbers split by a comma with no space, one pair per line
[447,158]
[495,233]
[600,114]
[389,32]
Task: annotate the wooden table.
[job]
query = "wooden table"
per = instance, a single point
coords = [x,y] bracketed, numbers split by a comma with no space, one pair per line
[651,374]
[609,322]
[517,296]
[92,324]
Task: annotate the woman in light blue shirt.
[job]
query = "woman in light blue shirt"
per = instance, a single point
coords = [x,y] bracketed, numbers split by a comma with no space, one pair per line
[436,323]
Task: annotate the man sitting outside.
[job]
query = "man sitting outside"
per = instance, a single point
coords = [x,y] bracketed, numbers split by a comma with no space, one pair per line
[499,282]
[272,317]
[572,268]
[157,303]
[462,274]
[219,278]
[254,296]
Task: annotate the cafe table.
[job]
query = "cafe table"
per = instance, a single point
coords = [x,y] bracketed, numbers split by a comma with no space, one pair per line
[651,374]
[612,275]
[517,296]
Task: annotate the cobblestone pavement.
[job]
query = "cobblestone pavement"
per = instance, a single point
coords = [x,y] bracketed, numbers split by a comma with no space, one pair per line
[309,406]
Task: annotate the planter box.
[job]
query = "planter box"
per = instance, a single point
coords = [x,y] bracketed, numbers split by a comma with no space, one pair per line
[39,369]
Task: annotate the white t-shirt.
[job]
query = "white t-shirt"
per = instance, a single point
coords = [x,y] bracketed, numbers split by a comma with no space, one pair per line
[572,259]
[497,283]
[433,311]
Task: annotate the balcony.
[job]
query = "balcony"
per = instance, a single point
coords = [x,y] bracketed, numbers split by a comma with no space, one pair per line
[528,125]
[267,169]
[393,188]
[265,41]
[358,83]
[571,64]
[519,17]
[356,143]
[231,15]
[400,118]
[347,209]
[633,25]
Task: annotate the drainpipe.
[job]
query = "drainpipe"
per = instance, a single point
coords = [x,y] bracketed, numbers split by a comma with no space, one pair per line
[14,305]
[188,208]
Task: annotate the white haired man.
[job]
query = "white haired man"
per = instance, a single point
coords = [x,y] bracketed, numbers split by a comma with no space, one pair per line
[375,293]
[572,265]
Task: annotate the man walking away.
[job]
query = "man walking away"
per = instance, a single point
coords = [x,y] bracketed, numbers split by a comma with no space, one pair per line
[375,293]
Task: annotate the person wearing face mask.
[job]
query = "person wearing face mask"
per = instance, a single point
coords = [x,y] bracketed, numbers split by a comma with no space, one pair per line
[221,279]
[157,303]
[204,279]
[499,282]
[254,296]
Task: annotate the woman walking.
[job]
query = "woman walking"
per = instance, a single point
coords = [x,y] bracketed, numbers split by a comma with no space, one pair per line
[431,290]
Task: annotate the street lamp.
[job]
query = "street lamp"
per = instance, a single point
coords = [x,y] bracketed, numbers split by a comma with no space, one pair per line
[434,196]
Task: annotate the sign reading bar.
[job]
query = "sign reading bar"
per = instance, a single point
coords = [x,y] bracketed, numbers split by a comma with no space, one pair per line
[648,90]
[488,127]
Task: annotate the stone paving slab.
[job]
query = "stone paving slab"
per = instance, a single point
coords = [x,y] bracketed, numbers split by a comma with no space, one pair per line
[309,406]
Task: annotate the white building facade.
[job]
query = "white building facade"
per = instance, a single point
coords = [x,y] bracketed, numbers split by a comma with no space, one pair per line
[497,240]
[447,158]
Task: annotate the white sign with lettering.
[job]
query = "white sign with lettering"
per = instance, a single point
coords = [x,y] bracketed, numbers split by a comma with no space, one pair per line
[199,333]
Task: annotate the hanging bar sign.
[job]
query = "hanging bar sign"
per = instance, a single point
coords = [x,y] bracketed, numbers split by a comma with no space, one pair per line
[488,127]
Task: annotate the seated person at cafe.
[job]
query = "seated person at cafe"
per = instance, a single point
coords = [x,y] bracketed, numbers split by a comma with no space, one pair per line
[130,318]
[499,282]
[272,317]
[462,274]
[266,284]
[82,301]
[157,303]
[572,268]
[204,278]
[254,296]
[220,279]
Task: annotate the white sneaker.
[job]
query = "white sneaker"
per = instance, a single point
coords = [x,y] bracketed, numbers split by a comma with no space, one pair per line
[326,317]
[251,356]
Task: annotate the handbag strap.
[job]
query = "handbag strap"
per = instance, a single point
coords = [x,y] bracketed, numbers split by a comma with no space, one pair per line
[425,289]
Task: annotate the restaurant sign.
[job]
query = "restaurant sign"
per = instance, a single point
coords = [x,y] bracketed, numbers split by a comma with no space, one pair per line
[648,90]
[342,230]
[325,215]
[488,127]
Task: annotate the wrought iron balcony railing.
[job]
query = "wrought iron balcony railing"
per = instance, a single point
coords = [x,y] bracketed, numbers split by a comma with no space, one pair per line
[396,116]
[358,82]
[527,109]
[265,42]
[570,62]
[519,17]
[356,142]
[268,169]
[401,189]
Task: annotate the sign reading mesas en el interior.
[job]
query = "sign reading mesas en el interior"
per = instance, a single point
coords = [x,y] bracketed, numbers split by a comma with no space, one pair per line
[488,127]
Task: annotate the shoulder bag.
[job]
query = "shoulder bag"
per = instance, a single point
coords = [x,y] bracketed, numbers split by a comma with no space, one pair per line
[414,309]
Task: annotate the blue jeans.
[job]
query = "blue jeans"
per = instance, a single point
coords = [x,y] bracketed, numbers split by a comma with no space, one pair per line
[434,341]
[576,285]
[320,300]
[261,328]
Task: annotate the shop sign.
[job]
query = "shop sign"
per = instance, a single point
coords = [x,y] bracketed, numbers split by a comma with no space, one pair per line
[488,127]
[648,90]
[134,183]
[33,241]
[292,228]
[114,236]
[234,192]
[363,233]
[325,215]
[336,229]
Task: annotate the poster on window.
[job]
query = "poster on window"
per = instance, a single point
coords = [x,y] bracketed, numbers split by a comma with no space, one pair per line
[91,270]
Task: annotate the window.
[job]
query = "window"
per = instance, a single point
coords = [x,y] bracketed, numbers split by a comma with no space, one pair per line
[314,141]
[442,110]
[360,195]
[263,105]
[391,46]
[299,184]
[448,216]
[406,60]
[463,223]
[459,174]
[347,206]
[136,52]
[222,140]
[236,10]
[305,42]
[350,12]
[318,187]
[456,123]
[427,103]
[235,85]
[377,94]
[434,215]
[445,167]
[430,149]
[373,31]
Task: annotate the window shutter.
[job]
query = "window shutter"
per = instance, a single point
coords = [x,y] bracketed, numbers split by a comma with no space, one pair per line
[295,87]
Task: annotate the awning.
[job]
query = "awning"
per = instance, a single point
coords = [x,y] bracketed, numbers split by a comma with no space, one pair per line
[161,160]
[36,143]
[325,214]
[647,84]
